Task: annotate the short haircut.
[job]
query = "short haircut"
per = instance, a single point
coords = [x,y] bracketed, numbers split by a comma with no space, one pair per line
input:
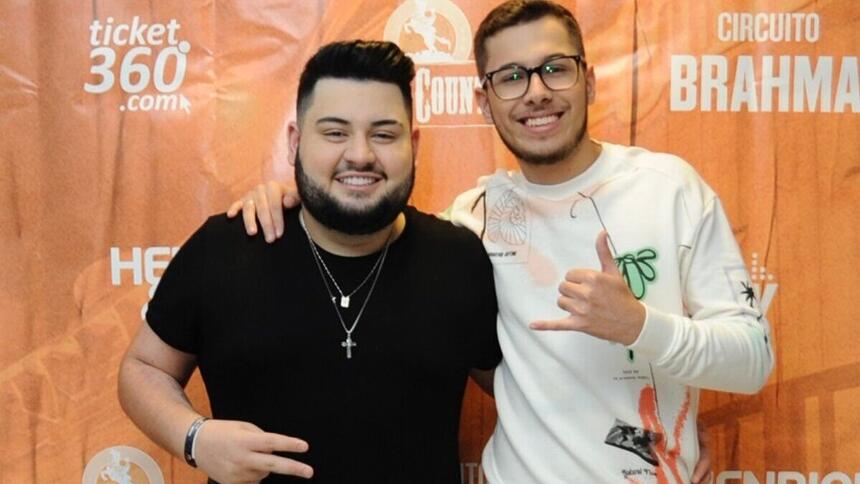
[360,60]
[516,12]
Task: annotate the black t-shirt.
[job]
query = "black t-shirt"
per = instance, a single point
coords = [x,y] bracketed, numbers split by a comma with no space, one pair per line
[268,343]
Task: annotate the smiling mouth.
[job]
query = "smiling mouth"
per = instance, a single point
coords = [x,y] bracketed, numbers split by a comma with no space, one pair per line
[540,121]
[357,181]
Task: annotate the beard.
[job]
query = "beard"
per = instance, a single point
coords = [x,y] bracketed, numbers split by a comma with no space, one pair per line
[535,158]
[340,217]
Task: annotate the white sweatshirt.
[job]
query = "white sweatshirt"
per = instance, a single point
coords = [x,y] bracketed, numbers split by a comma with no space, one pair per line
[576,409]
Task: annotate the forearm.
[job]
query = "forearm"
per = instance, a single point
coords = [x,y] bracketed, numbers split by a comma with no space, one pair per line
[730,354]
[156,403]
[722,341]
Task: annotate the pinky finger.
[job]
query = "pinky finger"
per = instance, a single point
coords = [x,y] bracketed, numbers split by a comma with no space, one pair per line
[235,208]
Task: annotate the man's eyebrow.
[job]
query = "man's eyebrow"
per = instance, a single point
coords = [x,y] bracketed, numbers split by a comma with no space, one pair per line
[545,59]
[386,122]
[375,124]
[332,119]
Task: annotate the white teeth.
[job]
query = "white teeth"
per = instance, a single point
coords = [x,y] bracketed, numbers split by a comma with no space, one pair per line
[531,122]
[357,180]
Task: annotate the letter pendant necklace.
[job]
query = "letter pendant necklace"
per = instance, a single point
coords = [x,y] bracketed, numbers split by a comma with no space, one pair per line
[326,274]
[344,298]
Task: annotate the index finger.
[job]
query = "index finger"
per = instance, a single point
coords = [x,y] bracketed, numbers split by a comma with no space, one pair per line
[269,442]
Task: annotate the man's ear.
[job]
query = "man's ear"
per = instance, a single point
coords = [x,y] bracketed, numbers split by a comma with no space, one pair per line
[484,103]
[293,137]
[416,137]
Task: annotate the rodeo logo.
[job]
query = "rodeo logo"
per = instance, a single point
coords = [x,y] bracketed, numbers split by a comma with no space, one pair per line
[437,35]
[122,465]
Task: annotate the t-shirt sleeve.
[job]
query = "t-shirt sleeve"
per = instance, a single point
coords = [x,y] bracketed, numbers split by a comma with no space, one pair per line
[724,343]
[174,311]
[487,351]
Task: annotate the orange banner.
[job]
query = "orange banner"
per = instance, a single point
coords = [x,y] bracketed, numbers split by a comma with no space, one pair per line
[124,124]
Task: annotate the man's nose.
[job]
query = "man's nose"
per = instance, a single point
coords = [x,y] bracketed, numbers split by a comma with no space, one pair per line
[360,152]
[537,92]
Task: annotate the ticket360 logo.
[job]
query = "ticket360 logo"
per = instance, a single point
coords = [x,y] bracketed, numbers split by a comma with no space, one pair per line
[139,55]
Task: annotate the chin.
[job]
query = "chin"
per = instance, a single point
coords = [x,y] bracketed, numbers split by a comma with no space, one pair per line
[359,203]
[545,156]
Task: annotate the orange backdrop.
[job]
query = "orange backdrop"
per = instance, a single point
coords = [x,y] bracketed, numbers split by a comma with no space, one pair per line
[123,124]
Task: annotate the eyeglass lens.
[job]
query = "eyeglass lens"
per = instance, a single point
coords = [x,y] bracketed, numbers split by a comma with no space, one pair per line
[556,74]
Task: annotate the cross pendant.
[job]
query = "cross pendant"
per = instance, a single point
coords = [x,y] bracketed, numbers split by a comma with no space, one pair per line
[348,344]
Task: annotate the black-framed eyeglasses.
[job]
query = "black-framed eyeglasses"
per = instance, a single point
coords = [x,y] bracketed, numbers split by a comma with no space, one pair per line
[511,82]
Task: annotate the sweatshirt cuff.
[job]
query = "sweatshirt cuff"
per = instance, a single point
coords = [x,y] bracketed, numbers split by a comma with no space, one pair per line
[656,336]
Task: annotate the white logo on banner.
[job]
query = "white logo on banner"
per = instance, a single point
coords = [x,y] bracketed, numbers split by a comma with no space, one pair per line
[122,465]
[437,45]
[766,83]
[143,265]
[436,34]
[155,56]
[786,477]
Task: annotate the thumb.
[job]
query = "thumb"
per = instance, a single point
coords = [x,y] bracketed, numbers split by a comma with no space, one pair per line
[607,262]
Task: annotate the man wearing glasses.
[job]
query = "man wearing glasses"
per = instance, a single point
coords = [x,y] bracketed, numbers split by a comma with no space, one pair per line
[621,288]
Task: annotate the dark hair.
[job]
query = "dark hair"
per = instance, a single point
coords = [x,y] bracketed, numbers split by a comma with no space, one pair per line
[516,12]
[361,60]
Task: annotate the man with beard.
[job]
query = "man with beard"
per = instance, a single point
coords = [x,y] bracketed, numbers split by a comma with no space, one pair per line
[341,352]
[610,321]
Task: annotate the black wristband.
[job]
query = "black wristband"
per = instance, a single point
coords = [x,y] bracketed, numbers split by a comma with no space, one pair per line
[190,437]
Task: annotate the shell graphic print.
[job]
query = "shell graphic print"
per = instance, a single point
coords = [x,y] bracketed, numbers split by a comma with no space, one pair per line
[507,219]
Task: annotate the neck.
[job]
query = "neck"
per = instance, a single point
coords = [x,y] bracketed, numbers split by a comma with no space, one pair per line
[582,157]
[348,245]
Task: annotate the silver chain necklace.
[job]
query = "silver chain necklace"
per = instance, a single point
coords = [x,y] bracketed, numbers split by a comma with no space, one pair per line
[344,298]
[348,343]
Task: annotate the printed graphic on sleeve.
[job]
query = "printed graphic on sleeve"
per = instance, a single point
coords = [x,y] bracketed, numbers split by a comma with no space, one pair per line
[742,287]
[747,292]
[755,290]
